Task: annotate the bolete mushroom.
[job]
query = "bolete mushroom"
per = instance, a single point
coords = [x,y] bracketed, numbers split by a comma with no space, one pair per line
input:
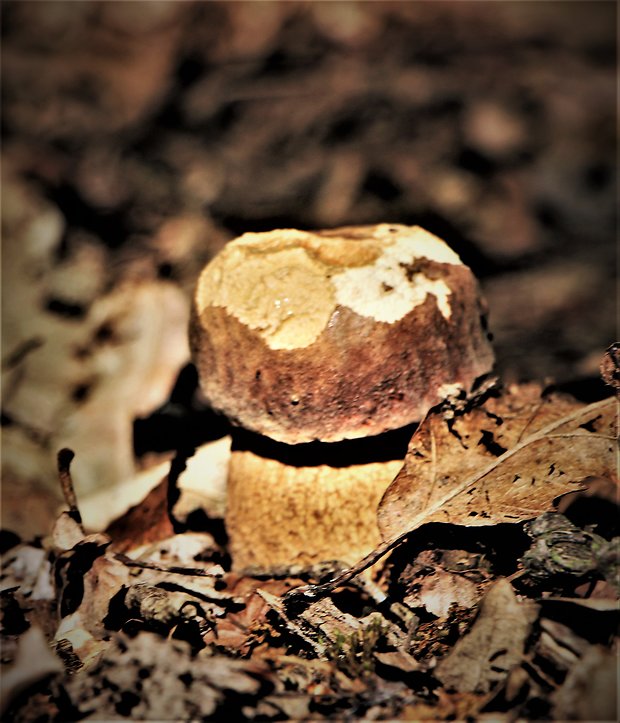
[321,348]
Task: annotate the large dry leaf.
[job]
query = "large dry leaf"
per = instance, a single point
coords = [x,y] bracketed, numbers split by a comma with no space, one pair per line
[493,646]
[504,462]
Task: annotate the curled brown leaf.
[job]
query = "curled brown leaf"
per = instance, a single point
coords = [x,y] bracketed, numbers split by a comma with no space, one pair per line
[448,478]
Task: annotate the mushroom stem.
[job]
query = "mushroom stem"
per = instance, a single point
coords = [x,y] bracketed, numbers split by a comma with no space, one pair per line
[281,513]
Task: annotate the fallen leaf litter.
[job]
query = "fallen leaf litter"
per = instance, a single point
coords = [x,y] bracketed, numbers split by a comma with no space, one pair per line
[442,628]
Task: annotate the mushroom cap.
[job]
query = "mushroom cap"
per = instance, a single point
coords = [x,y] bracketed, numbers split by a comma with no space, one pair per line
[336,334]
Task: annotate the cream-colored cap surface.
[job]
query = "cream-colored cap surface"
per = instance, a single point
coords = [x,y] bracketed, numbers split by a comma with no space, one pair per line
[292,282]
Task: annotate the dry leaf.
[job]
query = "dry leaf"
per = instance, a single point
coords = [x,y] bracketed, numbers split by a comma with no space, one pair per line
[602,605]
[27,567]
[148,677]
[449,707]
[242,629]
[34,661]
[202,484]
[439,591]
[146,522]
[67,532]
[590,691]
[398,659]
[610,366]
[285,706]
[322,623]
[504,462]
[559,645]
[89,577]
[493,646]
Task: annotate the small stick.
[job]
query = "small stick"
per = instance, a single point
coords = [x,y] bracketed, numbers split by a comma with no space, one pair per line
[310,593]
[65,457]
[171,569]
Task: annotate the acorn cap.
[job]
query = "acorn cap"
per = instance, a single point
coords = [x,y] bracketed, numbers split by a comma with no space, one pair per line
[336,334]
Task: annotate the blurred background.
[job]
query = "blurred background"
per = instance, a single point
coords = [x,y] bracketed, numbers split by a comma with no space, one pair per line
[138,137]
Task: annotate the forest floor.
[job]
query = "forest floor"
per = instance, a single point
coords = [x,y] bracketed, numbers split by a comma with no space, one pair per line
[138,138]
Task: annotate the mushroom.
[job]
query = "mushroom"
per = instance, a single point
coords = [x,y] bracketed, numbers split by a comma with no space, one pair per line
[321,348]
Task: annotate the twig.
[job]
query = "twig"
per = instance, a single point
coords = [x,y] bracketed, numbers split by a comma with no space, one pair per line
[65,457]
[307,594]
[172,569]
